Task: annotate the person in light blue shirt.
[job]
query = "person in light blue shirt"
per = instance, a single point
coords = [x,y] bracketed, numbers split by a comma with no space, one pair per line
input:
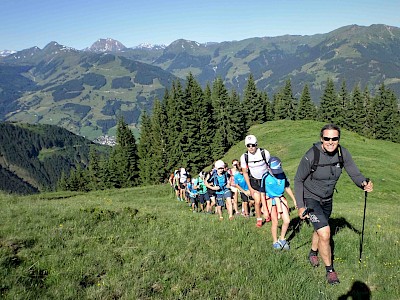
[201,188]
[273,185]
[192,193]
[241,185]
[221,186]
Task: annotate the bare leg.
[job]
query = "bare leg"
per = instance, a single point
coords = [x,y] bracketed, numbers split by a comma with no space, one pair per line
[322,238]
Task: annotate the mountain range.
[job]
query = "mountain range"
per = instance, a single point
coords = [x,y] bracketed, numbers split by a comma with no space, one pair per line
[85,90]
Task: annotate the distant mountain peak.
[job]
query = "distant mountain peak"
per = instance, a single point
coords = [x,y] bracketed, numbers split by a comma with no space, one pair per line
[150,46]
[4,53]
[107,45]
[55,48]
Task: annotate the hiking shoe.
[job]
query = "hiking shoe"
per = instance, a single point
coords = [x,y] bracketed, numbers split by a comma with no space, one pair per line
[284,244]
[277,246]
[332,277]
[259,223]
[314,261]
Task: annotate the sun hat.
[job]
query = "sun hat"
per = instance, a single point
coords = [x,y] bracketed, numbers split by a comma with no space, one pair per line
[250,139]
[219,164]
[276,165]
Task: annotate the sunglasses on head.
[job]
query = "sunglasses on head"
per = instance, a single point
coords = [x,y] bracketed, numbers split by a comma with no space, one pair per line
[334,139]
[251,145]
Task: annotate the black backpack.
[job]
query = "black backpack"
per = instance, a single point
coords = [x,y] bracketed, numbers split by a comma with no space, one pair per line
[316,163]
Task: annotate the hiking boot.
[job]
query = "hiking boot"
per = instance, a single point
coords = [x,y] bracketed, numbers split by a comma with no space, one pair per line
[332,277]
[284,244]
[277,246]
[259,223]
[314,261]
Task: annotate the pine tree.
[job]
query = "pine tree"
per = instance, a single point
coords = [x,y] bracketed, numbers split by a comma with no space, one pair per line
[268,113]
[62,184]
[94,172]
[206,126]
[236,129]
[126,157]
[329,106]
[177,125]
[193,98]
[158,144]
[344,104]
[219,101]
[387,116]
[368,130]
[253,105]
[145,149]
[359,114]
[288,101]
[306,109]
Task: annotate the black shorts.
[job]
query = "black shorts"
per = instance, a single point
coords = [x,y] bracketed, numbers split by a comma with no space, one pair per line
[245,198]
[211,193]
[319,212]
[255,184]
[182,186]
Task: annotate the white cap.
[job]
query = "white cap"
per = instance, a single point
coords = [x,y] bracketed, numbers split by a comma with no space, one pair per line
[250,139]
[219,164]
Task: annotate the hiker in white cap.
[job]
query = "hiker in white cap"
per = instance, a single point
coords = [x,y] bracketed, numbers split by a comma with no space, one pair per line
[254,164]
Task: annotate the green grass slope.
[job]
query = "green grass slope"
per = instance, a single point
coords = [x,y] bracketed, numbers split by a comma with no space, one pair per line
[142,244]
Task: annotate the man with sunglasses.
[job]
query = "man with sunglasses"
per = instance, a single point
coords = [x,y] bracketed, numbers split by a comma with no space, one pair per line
[314,186]
[254,165]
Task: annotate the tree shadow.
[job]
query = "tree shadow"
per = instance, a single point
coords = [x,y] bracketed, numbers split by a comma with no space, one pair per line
[359,291]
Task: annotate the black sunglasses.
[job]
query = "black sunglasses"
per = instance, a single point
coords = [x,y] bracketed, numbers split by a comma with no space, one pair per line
[251,145]
[334,139]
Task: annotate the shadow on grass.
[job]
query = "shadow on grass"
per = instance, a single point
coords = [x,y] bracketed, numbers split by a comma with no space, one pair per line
[336,224]
[358,291]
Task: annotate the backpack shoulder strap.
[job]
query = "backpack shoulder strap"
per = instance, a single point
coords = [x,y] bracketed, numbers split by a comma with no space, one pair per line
[263,156]
[316,159]
[340,156]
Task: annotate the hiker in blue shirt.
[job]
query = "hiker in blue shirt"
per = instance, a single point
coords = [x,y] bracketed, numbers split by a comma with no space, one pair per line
[273,185]
[192,193]
[222,189]
[201,188]
[241,185]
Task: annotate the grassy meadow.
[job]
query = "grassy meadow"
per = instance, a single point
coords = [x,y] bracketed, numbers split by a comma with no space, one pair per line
[142,243]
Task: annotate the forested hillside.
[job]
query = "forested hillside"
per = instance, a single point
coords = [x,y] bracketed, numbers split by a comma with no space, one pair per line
[33,157]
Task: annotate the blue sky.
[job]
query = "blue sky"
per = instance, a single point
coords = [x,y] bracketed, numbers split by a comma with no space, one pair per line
[78,24]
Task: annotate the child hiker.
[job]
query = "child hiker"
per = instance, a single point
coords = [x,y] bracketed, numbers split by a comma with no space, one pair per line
[192,193]
[221,187]
[273,185]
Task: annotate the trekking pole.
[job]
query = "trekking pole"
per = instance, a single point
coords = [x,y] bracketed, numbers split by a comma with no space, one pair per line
[305,213]
[362,232]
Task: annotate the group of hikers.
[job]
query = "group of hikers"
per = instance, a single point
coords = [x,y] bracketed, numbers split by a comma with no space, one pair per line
[260,181]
